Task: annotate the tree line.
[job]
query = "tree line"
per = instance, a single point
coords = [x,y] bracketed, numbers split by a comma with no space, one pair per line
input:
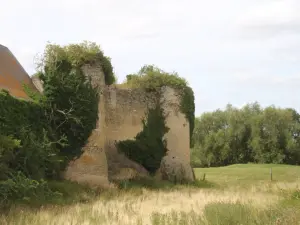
[251,134]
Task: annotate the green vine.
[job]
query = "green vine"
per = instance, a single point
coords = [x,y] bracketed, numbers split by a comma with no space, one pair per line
[33,94]
[73,106]
[151,77]
[149,147]
[71,100]
[187,106]
[34,151]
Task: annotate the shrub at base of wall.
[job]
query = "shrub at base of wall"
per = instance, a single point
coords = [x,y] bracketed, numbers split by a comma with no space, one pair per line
[28,149]
[27,138]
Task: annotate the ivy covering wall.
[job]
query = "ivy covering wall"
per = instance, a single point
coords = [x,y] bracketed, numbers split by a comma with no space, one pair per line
[77,55]
[149,146]
[27,142]
[70,94]
[39,137]
[152,78]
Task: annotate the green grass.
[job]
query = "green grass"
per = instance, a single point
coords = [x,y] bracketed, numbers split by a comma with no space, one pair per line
[64,193]
[245,175]
[232,195]
[230,214]
[154,184]
[71,192]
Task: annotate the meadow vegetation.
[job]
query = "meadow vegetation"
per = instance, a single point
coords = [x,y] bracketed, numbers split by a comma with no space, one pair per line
[231,195]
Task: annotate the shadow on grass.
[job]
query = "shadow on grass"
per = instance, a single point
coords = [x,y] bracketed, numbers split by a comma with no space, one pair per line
[68,193]
[155,184]
[62,193]
[136,187]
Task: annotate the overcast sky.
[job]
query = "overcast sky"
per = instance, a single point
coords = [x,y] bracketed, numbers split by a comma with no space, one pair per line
[233,51]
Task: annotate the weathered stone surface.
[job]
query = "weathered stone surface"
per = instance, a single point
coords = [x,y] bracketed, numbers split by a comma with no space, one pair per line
[174,169]
[120,166]
[96,74]
[38,84]
[90,168]
[127,174]
[178,137]
[121,111]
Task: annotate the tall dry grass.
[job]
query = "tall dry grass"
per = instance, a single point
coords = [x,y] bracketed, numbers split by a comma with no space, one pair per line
[238,202]
[146,208]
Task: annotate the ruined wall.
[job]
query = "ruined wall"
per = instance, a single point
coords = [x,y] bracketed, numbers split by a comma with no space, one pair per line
[178,137]
[91,167]
[95,73]
[38,84]
[175,166]
[120,114]
[121,111]
[124,111]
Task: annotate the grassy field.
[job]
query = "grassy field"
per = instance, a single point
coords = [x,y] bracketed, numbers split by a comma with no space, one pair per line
[237,194]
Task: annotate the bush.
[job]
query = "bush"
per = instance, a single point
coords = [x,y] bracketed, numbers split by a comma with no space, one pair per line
[39,137]
[73,107]
[27,143]
[7,148]
[77,55]
[70,97]
[28,151]
[19,188]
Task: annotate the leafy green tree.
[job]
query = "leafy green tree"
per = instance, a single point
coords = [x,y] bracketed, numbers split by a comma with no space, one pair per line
[73,105]
[7,156]
[250,134]
[71,100]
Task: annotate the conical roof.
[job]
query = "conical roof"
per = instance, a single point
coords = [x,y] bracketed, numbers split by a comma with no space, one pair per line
[12,74]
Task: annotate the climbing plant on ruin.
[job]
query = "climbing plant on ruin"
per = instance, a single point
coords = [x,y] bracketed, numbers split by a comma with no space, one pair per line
[77,55]
[72,100]
[39,137]
[151,78]
[149,147]
[27,143]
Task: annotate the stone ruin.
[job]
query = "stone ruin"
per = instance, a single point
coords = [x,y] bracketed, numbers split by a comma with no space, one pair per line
[120,118]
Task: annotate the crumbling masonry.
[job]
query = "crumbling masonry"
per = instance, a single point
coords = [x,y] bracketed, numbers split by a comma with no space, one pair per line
[120,117]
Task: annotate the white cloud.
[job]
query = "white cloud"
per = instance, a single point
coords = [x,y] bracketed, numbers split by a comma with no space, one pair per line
[271,18]
[198,38]
[272,12]
[258,79]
